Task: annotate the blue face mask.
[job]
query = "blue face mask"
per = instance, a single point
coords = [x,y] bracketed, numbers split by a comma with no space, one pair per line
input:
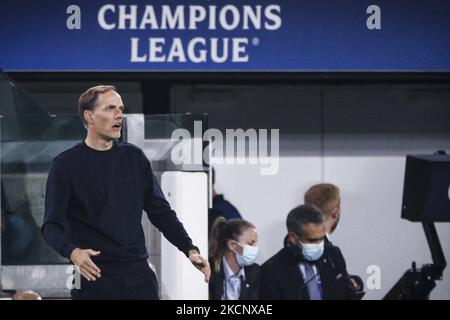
[312,251]
[248,256]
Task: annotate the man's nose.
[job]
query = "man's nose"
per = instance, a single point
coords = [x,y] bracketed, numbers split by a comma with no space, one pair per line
[118,114]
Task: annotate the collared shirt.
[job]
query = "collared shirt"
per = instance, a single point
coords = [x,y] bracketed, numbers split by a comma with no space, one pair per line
[302,270]
[231,282]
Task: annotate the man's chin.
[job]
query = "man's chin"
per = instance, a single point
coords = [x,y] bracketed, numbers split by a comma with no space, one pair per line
[111,137]
[115,136]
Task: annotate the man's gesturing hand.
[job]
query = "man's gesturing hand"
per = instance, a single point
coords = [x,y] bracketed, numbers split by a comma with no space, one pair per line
[200,263]
[82,259]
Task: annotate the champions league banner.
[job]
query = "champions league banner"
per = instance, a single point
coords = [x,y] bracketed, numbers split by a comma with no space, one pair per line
[225,35]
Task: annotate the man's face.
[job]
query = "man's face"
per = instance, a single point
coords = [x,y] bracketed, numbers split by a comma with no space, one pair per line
[106,118]
[313,233]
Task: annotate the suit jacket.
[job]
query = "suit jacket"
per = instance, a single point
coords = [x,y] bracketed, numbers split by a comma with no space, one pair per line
[281,278]
[359,288]
[249,288]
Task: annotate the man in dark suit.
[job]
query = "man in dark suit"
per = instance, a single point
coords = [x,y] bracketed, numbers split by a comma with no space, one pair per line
[306,268]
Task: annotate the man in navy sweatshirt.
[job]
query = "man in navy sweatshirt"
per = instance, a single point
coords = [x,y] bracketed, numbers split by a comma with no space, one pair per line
[96,193]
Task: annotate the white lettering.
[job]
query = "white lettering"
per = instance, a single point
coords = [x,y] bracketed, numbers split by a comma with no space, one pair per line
[215,51]
[175,20]
[374,281]
[212,17]
[234,14]
[272,13]
[240,136]
[182,152]
[196,14]
[193,310]
[240,46]
[176,51]
[181,17]
[197,50]
[191,50]
[101,17]
[155,47]
[254,17]
[269,164]
[74,20]
[215,146]
[149,18]
[374,21]
[124,16]
[134,51]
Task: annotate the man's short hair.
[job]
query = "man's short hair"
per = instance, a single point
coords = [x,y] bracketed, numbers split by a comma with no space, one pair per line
[324,196]
[302,215]
[88,99]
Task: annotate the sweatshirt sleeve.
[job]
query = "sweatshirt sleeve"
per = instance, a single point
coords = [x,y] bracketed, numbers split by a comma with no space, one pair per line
[55,229]
[161,215]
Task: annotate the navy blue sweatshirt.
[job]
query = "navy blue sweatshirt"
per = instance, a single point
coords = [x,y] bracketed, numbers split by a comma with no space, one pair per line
[95,200]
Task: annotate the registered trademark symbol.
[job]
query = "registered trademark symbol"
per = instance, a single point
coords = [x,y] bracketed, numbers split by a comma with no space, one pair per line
[255,41]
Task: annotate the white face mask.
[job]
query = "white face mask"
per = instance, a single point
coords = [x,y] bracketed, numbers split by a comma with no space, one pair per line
[312,251]
[248,256]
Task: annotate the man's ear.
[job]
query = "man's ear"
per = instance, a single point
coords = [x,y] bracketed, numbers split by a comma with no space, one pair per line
[88,117]
[292,237]
[335,212]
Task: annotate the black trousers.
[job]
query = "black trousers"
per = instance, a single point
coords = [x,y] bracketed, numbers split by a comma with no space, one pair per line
[119,281]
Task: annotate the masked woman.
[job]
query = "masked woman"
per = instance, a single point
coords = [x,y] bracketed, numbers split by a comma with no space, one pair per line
[233,251]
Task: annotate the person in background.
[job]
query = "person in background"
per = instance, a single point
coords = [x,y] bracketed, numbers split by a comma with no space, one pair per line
[306,268]
[26,295]
[19,233]
[220,207]
[228,210]
[233,251]
[326,197]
